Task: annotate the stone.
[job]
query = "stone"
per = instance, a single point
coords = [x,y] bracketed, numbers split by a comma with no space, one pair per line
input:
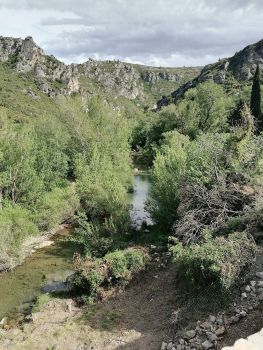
[220,321]
[243,313]
[206,325]
[3,322]
[220,331]
[190,334]
[260,284]
[211,336]
[247,288]
[253,283]
[164,346]
[235,319]
[169,346]
[259,275]
[207,345]
[244,295]
[212,318]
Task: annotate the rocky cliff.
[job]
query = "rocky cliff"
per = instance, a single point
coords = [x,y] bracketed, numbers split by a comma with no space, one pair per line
[241,67]
[123,79]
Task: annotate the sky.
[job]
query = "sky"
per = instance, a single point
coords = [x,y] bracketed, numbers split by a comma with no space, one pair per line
[152,32]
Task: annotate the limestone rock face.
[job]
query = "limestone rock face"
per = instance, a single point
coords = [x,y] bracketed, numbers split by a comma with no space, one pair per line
[241,66]
[118,78]
[25,56]
[114,75]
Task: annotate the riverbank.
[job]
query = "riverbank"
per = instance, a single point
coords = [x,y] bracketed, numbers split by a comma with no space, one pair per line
[137,317]
[44,270]
[30,246]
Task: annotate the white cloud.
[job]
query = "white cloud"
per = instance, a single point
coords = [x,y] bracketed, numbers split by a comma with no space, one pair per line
[160,32]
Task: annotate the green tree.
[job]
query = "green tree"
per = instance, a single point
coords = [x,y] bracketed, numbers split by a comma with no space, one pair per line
[256,100]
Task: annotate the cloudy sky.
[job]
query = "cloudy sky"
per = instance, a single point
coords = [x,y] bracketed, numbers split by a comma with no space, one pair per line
[153,32]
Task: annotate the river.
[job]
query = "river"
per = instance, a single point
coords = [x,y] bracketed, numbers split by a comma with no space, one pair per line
[138,213]
[44,271]
[47,269]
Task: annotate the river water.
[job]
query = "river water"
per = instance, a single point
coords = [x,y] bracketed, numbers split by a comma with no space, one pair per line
[138,213]
[47,269]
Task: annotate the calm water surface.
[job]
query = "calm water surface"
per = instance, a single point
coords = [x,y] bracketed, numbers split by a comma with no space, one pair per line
[45,271]
[138,213]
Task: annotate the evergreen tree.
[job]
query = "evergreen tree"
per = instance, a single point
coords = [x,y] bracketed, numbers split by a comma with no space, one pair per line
[255,100]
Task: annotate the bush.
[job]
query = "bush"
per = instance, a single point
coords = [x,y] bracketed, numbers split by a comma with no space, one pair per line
[96,238]
[56,207]
[15,226]
[113,268]
[216,262]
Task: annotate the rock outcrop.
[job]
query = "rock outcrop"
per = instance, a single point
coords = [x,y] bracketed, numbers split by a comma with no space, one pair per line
[121,79]
[241,66]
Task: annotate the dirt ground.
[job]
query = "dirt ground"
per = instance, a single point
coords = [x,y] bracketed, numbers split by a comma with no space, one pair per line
[136,318]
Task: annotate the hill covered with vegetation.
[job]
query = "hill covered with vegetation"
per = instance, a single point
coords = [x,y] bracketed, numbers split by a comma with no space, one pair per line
[67,133]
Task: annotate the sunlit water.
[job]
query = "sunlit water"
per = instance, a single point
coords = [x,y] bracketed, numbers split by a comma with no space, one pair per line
[138,213]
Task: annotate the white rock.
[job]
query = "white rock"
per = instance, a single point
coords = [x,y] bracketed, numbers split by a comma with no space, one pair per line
[207,345]
[170,346]
[259,274]
[212,318]
[164,346]
[247,288]
[3,322]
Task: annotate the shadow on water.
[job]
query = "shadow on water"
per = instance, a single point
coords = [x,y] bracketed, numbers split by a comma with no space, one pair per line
[45,271]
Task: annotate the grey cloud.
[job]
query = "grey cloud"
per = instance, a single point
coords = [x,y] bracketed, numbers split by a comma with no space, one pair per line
[146,30]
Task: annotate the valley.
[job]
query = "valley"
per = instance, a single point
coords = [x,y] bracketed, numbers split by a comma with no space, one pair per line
[154,177]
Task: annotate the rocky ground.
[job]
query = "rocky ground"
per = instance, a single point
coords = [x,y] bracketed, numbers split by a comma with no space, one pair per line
[152,313]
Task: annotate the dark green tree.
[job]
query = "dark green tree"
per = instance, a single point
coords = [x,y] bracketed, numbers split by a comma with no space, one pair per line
[255,100]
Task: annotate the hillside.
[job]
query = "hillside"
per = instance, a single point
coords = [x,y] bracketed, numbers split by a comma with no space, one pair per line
[110,78]
[235,70]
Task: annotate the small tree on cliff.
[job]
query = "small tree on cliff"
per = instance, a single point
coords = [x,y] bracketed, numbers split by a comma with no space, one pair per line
[255,101]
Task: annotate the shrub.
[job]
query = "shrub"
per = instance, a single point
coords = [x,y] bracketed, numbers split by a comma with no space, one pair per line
[56,207]
[15,226]
[113,268]
[96,238]
[216,262]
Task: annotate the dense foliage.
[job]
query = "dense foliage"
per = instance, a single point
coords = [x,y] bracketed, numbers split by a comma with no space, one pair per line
[255,100]
[113,268]
[209,181]
[55,165]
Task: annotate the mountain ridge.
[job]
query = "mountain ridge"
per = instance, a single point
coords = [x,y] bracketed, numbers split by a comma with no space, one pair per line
[240,67]
[128,80]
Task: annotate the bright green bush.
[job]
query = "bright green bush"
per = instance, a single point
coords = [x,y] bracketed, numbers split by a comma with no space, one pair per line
[115,267]
[215,262]
[96,237]
[56,207]
[15,226]
[169,167]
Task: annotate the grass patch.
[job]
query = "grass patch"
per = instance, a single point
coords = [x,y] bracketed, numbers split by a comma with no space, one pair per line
[41,301]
